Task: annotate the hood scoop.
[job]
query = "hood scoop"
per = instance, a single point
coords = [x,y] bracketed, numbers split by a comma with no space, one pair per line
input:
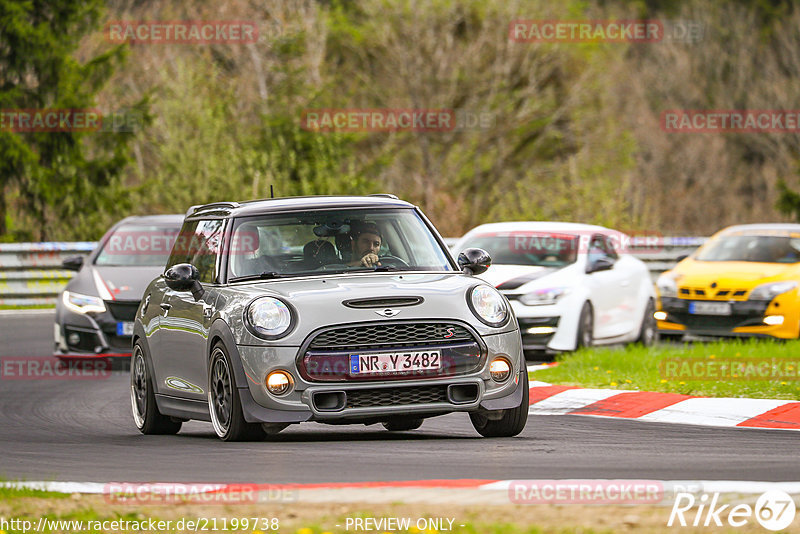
[383,302]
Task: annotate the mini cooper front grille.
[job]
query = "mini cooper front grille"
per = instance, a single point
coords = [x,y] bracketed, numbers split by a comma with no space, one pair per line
[390,334]
[368,398]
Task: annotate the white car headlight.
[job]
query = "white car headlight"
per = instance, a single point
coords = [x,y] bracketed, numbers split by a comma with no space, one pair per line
[546,295]
[488,305]
[82,303]
[268,317]
[666,286]
[771,290]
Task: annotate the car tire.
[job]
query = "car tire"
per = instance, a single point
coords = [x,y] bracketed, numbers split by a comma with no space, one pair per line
[648,333]
[224,405]
[585,336]
[399,424]
[509,423]
[143,400]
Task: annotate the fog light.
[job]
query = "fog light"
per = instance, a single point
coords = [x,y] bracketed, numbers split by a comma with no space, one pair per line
[540,330]
[74,339]
[500,370]
[660,316]
[773,320]
[279,382]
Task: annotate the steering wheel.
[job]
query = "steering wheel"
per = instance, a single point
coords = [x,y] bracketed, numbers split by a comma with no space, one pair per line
[392,261]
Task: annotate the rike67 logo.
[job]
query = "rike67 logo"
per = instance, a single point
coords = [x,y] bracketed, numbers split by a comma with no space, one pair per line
[774,510]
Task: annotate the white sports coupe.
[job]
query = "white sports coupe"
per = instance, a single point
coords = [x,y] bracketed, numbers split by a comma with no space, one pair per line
[570,285]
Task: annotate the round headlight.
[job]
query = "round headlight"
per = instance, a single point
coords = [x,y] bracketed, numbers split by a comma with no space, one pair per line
[488,305]
[268,317]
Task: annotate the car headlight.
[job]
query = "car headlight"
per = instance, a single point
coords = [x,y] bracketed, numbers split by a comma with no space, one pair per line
[666,286]
[83,303]
[488,305]
[269,318]
[771,290]
[547,295]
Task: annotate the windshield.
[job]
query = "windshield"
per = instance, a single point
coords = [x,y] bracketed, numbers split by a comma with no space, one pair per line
[543,249]
[138,245]
[764,249]
[314,242]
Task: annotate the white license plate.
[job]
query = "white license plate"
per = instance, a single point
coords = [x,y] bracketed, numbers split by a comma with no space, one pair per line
[395,362]
[124,328]
[710,308]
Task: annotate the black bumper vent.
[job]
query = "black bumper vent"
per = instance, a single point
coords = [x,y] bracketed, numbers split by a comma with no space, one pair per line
[379,397]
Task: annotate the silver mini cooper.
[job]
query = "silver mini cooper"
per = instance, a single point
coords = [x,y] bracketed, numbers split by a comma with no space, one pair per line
[329,309]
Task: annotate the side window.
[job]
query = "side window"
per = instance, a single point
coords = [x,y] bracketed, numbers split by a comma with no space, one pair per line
[199,243]
[205,248]
[180,249]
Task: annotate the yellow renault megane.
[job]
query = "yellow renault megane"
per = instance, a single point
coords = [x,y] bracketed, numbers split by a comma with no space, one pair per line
[744,281]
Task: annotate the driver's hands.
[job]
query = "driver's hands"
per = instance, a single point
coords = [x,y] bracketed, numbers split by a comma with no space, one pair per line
[370,260]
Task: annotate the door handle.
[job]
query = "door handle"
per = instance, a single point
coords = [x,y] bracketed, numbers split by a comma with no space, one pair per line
[166,306]
[208,310]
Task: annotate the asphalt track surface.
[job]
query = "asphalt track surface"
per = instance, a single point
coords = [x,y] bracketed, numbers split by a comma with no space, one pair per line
[78,430]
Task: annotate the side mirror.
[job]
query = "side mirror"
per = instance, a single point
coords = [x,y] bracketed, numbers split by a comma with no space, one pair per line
[73,263]
[600,264]
[184,277]
[475,260]
[682,257]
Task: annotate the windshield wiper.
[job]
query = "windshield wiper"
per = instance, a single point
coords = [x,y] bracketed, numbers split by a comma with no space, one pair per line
[377,269]
[266,275]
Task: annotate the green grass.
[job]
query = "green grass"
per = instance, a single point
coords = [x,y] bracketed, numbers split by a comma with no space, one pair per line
[647,369]
[9,493]
[27,307]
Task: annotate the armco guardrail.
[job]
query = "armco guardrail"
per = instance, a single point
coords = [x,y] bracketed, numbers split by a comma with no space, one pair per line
[31,273]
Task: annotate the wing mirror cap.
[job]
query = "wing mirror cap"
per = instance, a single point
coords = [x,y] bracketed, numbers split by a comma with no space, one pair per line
[184,277]
[474,260]
[600,264]
[73,263]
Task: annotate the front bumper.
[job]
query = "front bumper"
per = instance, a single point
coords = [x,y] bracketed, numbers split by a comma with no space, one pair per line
[92,335]
[746,319]
[373,401]
[548,327]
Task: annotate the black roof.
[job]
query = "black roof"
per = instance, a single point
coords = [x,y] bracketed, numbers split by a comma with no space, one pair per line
[283,204]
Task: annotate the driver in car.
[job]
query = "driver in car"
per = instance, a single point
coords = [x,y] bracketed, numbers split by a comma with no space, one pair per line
[365,243]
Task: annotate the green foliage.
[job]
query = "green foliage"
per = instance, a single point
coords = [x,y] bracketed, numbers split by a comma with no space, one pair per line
[56,176]
[573,135]
[788,201]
